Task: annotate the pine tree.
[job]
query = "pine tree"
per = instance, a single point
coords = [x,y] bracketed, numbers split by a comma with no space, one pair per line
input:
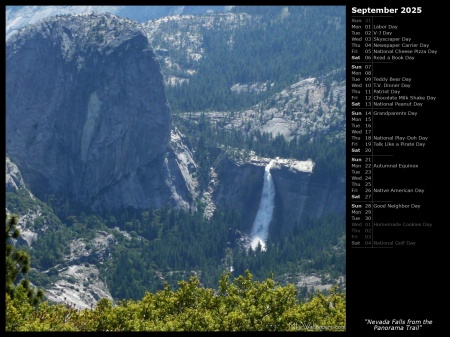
[17,262]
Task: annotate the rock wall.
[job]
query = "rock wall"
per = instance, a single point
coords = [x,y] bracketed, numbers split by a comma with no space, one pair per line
[14,180]
[86,113]
[239,187]
[298,194]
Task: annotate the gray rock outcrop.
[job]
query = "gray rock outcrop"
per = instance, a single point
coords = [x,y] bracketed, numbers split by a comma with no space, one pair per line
[14,180]
[87,116]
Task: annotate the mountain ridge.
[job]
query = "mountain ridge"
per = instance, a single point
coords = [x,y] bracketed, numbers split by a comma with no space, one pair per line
[17,17]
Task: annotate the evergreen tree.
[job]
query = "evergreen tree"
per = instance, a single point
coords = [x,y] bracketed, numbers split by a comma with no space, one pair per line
[17,264]
[242,304]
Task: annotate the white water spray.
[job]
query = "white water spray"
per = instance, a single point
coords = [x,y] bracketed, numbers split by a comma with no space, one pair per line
[260,229]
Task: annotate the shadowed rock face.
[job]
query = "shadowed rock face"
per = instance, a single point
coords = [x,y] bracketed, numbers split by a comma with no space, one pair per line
[298,195]
[86,112]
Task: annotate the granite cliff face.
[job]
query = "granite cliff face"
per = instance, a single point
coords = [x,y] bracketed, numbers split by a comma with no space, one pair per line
[298,195]
[87,116]
[14,180]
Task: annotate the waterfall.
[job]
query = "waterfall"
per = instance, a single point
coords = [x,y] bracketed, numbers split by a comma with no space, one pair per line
[260,229]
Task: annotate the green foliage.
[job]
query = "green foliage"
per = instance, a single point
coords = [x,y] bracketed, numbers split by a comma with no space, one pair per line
[241,305]
[268,48]
[17,263]
[20,202]
[168,242]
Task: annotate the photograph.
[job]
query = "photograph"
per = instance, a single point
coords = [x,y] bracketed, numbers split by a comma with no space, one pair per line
[198,168]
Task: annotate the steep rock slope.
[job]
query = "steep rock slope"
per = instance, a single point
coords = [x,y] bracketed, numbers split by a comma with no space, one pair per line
[298,195]
[86,113]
